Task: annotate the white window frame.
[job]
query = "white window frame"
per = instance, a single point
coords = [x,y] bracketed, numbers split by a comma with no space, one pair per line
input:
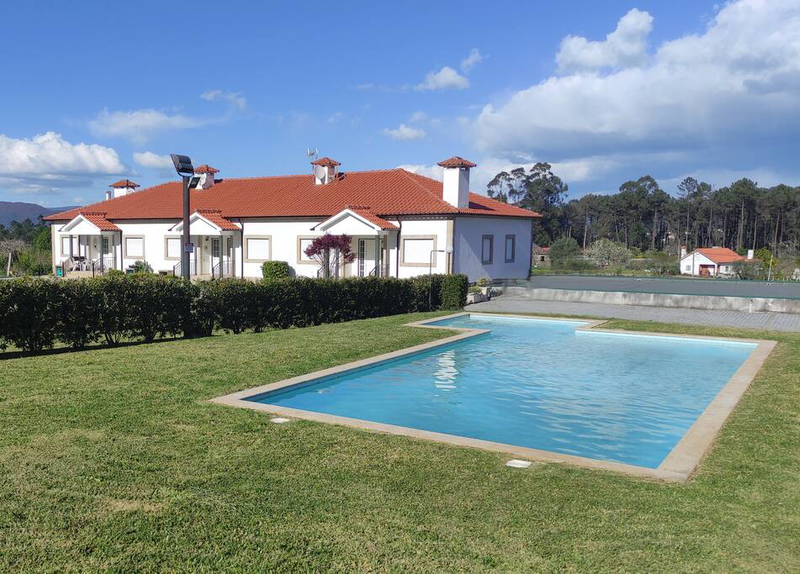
[404,238]
[247,257]
[302,259]
[167,239]
[126,254]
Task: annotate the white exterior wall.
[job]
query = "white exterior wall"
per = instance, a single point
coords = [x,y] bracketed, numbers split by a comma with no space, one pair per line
[469,232]
[283,234]
[437,229]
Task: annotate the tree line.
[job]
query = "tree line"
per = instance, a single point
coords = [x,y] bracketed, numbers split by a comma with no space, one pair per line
[643,216]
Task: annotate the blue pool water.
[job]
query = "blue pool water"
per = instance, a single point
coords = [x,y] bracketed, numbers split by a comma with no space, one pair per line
[539,384]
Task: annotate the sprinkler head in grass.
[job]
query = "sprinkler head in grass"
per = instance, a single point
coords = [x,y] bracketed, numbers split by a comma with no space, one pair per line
[279,420]
[516,463]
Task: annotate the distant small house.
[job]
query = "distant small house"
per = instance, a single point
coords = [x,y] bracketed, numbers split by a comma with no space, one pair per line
[541,256]
[710,261]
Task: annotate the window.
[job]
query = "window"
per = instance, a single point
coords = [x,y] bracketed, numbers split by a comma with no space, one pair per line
[258,249]
[487,249]
[304,243]
[511,248]
[688,268]
[134,247]
[65,246]
[172,247]
[106,242]
[416,250]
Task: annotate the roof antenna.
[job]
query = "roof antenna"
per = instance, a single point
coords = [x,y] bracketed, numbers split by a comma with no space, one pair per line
[312,153]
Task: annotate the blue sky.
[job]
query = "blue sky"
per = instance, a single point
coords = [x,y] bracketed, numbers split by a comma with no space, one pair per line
[606,91]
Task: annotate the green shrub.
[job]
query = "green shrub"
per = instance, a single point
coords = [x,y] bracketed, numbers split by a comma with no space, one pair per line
[32,261]
[29,310]
[276,270]
[35,313]
[453,292]
[79,313]
[562,250]
[141,267]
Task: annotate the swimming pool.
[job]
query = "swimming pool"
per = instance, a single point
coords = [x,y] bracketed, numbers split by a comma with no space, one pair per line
[549,385]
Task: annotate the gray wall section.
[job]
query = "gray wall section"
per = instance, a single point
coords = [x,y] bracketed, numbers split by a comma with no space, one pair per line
[469,232]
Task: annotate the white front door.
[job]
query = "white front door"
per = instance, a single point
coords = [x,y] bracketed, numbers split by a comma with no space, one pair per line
[366,257]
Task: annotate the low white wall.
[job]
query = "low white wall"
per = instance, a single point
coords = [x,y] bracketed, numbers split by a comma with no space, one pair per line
[417,228]
[469,232]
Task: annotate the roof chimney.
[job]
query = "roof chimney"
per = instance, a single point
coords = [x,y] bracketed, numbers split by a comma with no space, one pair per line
[325,170]
[121,188]
[203,177]
[455,183]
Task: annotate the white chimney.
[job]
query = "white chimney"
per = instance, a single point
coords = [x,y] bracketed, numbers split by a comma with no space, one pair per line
[455,182]
[683,251]
[205,174]
[121,188]
[325,170]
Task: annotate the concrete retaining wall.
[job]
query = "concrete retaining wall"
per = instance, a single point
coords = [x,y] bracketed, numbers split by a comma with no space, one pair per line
[747,304]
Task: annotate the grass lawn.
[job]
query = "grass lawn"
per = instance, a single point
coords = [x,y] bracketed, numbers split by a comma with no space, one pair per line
[112,459]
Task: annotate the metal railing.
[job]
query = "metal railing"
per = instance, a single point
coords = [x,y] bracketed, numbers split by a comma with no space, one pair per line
[224,266]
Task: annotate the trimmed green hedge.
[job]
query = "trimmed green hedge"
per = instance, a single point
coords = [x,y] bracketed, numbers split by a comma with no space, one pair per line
[37,313]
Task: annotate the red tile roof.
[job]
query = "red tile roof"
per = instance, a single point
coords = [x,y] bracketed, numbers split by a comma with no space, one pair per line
[124,183]
[215,217]
[456,161]
[719,254]
[372,218]
[100,221]
[206,169]
[387,193]
[326,161]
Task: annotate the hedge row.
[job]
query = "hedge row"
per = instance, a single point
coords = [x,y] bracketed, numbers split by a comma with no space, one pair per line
[37,313]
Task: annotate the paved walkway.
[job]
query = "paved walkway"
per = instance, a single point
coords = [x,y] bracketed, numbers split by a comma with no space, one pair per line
[768,321]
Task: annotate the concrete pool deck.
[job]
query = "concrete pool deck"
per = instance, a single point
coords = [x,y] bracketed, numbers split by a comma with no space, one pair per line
[678,466]
[708,318]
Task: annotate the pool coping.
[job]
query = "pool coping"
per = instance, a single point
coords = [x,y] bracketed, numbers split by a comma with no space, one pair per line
[678,466]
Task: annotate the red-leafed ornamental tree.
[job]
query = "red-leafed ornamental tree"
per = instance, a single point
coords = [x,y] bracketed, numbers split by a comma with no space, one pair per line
[331,252]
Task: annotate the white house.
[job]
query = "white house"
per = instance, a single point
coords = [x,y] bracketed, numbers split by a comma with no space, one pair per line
[710,261]
[399,222]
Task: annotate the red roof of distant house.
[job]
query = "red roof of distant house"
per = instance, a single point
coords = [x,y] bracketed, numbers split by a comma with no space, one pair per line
[719,254]
[124,183]
[100,221]
[206,169]
[215,217]
[388,193]
[456,161]
[326,161]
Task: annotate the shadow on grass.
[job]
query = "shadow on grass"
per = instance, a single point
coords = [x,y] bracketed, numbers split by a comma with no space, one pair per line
[16,354]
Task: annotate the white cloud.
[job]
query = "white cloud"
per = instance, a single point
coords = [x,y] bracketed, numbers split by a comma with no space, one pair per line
[625,46]
[46,163]
[335,117]
[140,125]
[152,160]
[418,116]
[49,154]
[733,85]
[235,98]
[431,171]
[471,61]
[404,132]
[445,79]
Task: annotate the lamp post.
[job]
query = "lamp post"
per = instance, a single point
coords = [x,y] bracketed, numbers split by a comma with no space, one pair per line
[183,165]
[430,270]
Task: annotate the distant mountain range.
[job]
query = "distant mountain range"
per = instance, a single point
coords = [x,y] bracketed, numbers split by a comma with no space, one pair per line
[20,211]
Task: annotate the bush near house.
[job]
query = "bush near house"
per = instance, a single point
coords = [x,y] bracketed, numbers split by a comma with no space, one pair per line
[35,314]
[276,270]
